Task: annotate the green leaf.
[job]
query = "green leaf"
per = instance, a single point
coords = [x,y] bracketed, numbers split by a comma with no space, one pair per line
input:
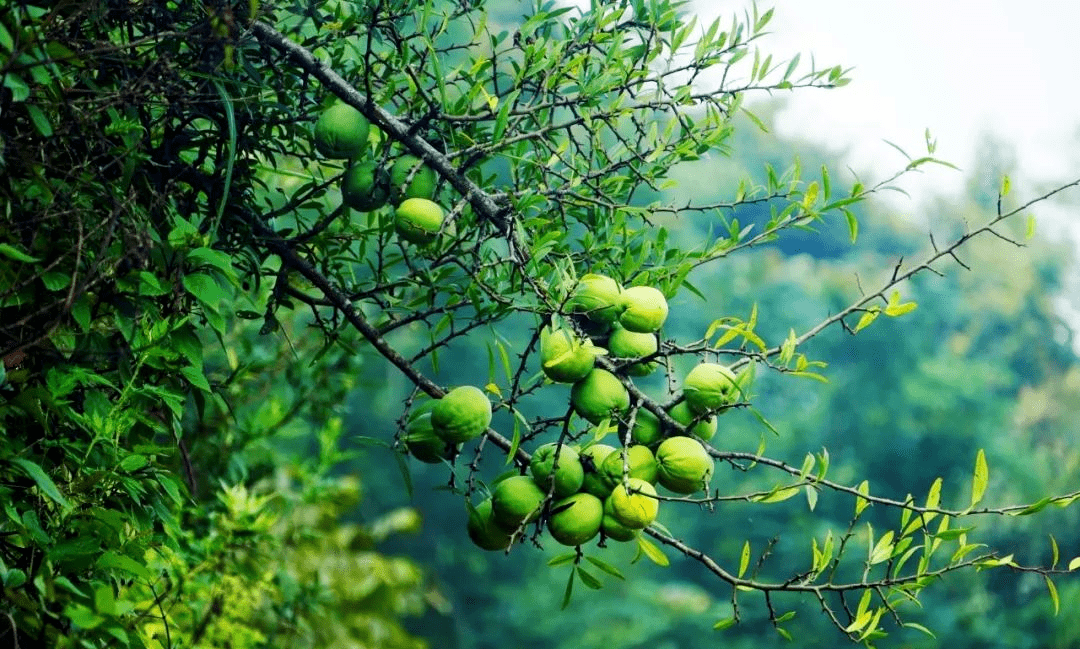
[113,560]
[744,561]
[1053,593]
[980,479]
[606,567]
[16,254]
[589,579]
[562,559]
[933,498]
[860,502]
[725,623]
[655,554]
[1074,564]
[1029,232]
[868,316]
[853,224]
[569,591]
[863,614]
[41,122]
[43,481]
[882,549]
[778,494]
[895,308]
[919,627]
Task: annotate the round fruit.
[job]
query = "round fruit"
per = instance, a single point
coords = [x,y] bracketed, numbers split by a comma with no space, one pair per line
[422,443]
[599,395]
[647,430]
[683,465]
[516,500]
[592,459]
[597,296]
[634,504]
[705,428]
[626,344]
[564,357]
[365,186]
[613,529]
[483,531]
[418,220]
[576,519]
[639,459]
[422,184]
[645,310]
[559,464]
[341,131]
[462,414]
[710,386]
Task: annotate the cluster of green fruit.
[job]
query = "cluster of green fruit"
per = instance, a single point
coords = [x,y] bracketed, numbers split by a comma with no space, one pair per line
[341,133]
[581,491]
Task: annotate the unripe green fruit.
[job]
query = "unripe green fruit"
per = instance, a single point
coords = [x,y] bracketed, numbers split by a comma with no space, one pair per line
[710,386]
[564,357]
[422,443]
[683,465]
[645,309]
[613,529]
[592,460]
[633,504]
[597,296]
[558,464]
[576,519]
[599,395]
[341,131]
[483,531]
[647,430]
[418,220]
[423,181]
[516,500]
[464,413]
[625,344]
[365,186]
[640,460]
[705,428]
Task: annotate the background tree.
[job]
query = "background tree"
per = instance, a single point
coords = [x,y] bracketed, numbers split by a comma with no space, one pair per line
[164,198]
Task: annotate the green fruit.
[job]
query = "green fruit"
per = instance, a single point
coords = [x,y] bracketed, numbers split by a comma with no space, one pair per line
[558,464]
[645,309]
[341,131]
[710,386]
[422,443]
[647,430]
[516,500]
[626,344]
[483,531]
[576,519]
[464,413]
[365,186]
[564,357]
[633,504]
[422,184]
[418,220]
[683,465]
[597,296]
[705,428]
[613,529]
[640,460]
[592,459]
[599,395]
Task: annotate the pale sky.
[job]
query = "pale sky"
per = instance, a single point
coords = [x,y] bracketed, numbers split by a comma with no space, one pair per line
[958,67]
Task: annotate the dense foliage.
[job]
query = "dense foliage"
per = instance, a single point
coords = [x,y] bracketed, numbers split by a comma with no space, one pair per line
[171,478]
